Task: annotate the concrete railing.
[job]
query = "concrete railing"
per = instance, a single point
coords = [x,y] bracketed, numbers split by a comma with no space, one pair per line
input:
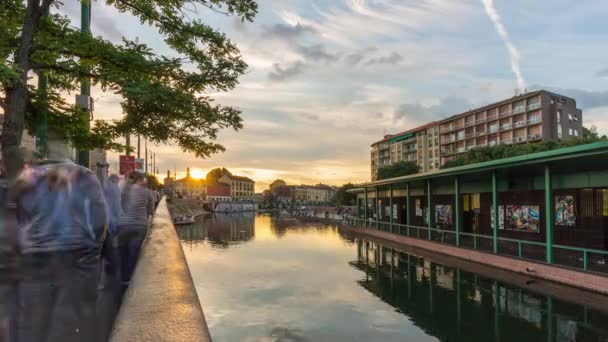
[161,303]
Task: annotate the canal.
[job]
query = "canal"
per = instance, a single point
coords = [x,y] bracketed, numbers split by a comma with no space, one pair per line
[265,278]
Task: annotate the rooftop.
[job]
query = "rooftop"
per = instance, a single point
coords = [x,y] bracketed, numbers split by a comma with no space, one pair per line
[573,158]
[409,131]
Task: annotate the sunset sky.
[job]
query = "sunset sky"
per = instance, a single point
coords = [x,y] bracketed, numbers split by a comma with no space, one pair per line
[327,78]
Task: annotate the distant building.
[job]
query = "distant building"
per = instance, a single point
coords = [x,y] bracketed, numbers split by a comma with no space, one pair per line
[189,187]
[218,192]
[530,117]
[241,188]
[317,194]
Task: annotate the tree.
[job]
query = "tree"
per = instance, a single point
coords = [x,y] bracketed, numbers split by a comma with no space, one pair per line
[343,197]
[214,175]
[162,96]
[402,168]
[488,153]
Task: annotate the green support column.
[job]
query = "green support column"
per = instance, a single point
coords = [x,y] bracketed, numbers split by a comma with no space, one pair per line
[377,208]
[365,207]
[458,209]
[429,210]
[390,203]
[495,207]
[407,211]
[549,214]
[409,277]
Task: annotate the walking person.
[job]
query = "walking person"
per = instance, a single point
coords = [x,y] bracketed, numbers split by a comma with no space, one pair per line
[61,216]
[137,207]
[109,251]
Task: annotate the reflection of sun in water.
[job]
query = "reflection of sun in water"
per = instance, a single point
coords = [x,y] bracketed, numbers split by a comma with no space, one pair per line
[198,173]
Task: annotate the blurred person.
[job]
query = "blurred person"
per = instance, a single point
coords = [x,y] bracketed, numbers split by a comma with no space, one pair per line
[61,216]
[109,252]
[137,207]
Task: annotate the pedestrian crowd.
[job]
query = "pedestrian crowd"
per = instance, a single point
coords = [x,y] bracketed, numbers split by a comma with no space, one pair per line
[66,238]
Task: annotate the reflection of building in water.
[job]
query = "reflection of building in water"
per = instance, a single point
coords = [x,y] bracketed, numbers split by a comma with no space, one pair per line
[235,227]
[453,304]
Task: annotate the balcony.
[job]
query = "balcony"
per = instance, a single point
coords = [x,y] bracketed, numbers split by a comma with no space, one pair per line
[533,121]
[493,117]
[458,127]
[506,127]
[481,133]
[445,129]
[519,109]
[534,137]
[458,138]
[480,121]
[519,139]
[447,153]
[468,148]
[520,124]
[470,135]
[503,114]
[493,129]
[507,141]
[533,106]
[492,143]
[470,123]
[461,150]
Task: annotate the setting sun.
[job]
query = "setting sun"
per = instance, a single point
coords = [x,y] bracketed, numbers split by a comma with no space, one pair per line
[198,173]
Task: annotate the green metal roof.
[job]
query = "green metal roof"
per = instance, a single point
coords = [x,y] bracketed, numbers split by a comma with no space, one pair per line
[579,151]
[401,137]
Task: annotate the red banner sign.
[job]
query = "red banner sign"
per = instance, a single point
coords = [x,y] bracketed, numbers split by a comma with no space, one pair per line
[127,164]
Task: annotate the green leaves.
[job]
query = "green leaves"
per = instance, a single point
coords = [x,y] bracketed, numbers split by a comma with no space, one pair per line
[402,168]
[162,97]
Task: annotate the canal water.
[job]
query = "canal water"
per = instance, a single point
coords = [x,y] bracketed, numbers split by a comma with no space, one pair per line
[264,278]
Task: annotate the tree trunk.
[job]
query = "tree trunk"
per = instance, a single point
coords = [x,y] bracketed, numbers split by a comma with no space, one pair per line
[16,94]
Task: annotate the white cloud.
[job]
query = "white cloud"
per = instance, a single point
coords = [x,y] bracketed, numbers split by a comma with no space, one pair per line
[502,32]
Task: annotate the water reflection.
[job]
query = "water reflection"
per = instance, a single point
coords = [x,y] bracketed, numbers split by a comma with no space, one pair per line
[455,305]
[268,278]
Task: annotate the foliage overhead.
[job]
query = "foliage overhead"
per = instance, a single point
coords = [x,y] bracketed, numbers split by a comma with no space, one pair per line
[402,168]
[489,153]
[162,96]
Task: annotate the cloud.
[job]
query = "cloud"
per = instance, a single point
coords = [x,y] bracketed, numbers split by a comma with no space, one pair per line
[418,113]
[502,32]
[392,59]
[282,74]
[316,53]
[287,32]
[602,73]
[356,57]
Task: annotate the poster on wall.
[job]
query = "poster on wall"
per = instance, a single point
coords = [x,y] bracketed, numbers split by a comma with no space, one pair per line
[444,214]
[387,211]
[564,211]
[501,217]
[523,218]
[395,211]
[418,208]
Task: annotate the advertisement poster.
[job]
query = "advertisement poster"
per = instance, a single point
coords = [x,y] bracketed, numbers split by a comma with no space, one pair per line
[126,164]
[395,211]
[501,216]
[387,211]
[444,214]
[564,211]
[418,208]
[523,218]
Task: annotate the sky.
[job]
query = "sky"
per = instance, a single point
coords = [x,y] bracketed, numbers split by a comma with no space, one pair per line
[327,78]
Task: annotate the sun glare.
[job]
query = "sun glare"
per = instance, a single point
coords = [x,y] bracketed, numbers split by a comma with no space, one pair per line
[198,173]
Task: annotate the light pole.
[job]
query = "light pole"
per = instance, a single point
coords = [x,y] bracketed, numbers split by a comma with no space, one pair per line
[84,99]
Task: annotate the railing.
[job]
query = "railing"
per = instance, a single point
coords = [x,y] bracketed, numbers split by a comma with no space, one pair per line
[581,259]
[520,124]
[518,110]
[480,121]
[470,135]
[481,133]
[503,114]
[493,117]
[519,139]
[534,137]
[533,121]
[533,106]
[505,127]
[461,150]
[507,141]
[470,123]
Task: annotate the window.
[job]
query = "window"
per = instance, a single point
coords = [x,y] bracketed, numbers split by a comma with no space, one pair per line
[559,131]
[570,117]
[575,117]
[576,133]
[570,131]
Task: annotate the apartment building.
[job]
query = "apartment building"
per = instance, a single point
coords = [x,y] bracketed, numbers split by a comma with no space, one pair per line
[420,145]
[530,117]
[241,188]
